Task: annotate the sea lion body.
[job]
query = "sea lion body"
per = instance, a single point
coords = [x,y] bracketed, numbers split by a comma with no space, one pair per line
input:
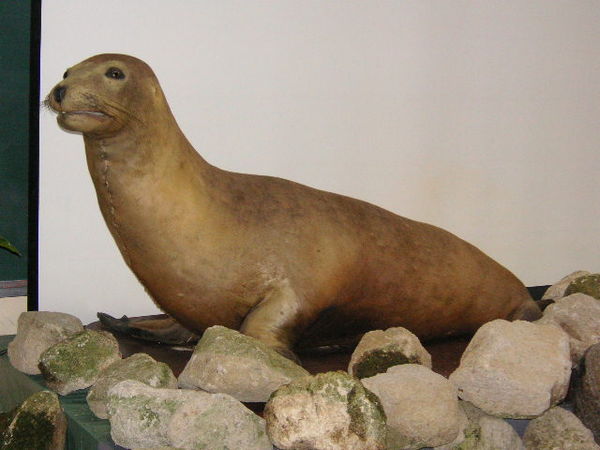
[283,262]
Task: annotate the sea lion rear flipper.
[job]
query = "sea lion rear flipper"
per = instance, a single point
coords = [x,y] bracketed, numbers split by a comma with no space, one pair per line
[163,329]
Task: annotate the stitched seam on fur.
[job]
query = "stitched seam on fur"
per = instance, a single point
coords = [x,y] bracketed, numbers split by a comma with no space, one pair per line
[113,209]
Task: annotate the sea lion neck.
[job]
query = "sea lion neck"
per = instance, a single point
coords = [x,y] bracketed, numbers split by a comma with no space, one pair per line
[141,159]
[141,144]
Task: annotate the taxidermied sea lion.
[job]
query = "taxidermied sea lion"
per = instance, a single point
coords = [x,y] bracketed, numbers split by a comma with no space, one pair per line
[282,262]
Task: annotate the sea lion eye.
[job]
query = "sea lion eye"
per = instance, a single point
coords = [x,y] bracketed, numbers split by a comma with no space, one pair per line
[66,74]
[115,74]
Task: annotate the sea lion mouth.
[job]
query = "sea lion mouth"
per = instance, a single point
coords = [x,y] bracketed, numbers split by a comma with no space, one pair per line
[85,121]
[97,114]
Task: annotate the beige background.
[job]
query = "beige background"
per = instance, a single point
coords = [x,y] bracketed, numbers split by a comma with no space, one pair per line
[480,117]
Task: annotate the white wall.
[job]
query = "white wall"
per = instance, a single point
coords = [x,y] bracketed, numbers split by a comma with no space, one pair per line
[480,117]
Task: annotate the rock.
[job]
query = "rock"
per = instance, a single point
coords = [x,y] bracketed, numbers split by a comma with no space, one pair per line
[587,284]
[39,423]
[217,422]
[421,406]
[139,367]
[36,331]
[514,369]
[463,426]
[557,290]
[5,420]
[560,429]
[484,432]
[586,391]
[226,361]
[327,411]
[139,414]
[76,362]
[156,448]
[579,316]
[145,417]
[496,434]
[379,350]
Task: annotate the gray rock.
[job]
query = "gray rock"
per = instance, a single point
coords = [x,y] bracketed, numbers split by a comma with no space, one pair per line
[226,361]
[76,362]
[139,414]
[39,423]
[379,350]
[421,406]
[496,434]
[587,284]
[484,432]
[156,448]
[579,316]
[557,290]
[217,422]
[36,332]
[586,391]
[463,427]
[514,369]
[145,417]
[327,411]
[558,429]
[139,367]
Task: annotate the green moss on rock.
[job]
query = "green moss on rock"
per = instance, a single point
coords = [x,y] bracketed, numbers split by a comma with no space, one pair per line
[367,418]
[379,360]
[361,416]
[140,367]
[78,360]
[79,355]
[587,284]
[5,420]
[38,423]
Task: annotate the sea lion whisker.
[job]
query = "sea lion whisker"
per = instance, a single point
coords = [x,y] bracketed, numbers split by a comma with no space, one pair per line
[120,108]
[45,104]
[109,108]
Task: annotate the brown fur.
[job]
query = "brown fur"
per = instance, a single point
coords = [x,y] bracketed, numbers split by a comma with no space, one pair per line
[278,260]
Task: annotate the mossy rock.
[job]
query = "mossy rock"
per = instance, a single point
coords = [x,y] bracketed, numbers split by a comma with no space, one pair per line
[587,284]
[380,360]
[39,423]
[76,362]
[139,414]
[379,350]
[140,367]
[225,341]
[558,428]
[227,361]
[298,413]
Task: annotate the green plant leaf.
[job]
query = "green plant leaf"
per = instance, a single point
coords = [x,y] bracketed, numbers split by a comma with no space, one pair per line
[8,246]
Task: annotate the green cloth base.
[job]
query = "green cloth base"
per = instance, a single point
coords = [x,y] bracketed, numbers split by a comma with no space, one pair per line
[85,431]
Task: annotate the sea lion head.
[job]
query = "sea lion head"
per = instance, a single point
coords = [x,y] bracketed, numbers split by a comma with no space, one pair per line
[106,93]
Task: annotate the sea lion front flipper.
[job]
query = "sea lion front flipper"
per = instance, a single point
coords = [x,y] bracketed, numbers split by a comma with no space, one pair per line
[164,329]
[277,320]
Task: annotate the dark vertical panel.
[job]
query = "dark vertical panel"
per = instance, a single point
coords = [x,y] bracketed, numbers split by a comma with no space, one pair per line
[34,151]
[15,23]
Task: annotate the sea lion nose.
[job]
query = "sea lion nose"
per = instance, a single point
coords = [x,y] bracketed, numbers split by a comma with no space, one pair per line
[59,93]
